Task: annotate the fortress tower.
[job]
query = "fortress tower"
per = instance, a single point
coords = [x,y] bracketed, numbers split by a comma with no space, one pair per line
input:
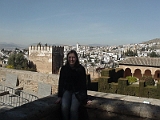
[48,59]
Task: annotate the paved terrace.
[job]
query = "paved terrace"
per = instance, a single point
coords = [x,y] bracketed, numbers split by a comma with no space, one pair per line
[103,106]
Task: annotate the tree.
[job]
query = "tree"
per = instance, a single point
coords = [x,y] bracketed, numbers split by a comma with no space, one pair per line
[154,54]
[131,53]
[18,61]
[148,80]
[143,49]
[16,49]
[2,50]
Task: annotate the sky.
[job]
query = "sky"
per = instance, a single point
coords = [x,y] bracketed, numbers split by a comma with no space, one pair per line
[68,22]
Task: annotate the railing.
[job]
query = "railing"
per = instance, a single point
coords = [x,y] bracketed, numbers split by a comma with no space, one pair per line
[14,97]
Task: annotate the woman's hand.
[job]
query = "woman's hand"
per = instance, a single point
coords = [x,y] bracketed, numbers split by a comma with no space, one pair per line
[58,100]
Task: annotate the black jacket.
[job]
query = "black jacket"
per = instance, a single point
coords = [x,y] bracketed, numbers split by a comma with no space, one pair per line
[72,79]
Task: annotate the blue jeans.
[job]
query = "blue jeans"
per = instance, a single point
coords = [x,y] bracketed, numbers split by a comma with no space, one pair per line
[70,106]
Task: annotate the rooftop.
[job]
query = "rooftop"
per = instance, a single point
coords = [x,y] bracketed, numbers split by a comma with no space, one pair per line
[141,61]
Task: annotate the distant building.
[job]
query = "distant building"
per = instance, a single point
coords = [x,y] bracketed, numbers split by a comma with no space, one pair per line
[141,66]
[48,59]
[77,46]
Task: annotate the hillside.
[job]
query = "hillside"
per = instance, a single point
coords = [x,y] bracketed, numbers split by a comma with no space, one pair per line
[13,45]
[152,41]
[10,46]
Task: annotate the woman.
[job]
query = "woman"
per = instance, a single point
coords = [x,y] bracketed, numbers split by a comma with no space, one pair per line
[72,89]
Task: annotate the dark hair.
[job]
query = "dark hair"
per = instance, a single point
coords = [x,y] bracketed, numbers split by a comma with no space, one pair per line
[76,55]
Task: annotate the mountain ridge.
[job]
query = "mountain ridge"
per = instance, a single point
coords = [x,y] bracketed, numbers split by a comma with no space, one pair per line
[151,41]
[4,45]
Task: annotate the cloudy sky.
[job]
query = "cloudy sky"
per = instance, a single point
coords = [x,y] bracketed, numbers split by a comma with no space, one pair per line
[106,22]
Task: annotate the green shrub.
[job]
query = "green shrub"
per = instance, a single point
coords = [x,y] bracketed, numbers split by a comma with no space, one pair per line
[10,66]
[131,79]
[148,80]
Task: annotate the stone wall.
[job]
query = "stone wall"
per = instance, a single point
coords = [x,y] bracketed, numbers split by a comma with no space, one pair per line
[29,80]
[42,57]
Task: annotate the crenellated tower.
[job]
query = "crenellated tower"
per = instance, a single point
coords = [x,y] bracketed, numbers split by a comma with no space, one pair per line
[48,59]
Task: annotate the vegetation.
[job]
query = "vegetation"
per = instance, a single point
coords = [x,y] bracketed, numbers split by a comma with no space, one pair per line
[18,61]
[148,80]
[130,53]
[153,54]
[131,79]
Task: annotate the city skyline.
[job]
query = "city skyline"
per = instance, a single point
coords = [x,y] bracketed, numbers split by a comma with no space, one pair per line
[105,22]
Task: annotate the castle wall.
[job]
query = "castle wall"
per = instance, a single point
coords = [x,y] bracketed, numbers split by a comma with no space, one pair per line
[57,58]
[48,59]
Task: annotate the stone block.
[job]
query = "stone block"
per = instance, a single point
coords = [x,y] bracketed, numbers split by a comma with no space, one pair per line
[44,89]
[11,80]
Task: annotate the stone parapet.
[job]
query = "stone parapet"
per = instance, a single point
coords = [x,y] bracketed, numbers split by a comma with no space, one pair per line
[125,105]
[103,106]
